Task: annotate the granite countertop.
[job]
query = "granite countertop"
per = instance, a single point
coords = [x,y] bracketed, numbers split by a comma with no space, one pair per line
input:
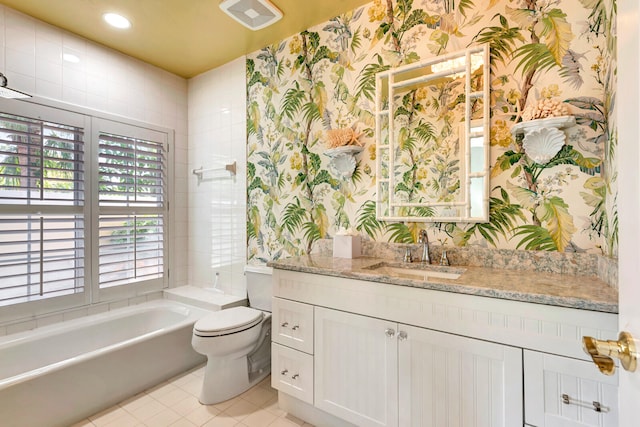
[563,290]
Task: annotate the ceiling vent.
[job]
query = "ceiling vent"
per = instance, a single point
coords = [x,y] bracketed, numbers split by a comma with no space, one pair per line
[253,14]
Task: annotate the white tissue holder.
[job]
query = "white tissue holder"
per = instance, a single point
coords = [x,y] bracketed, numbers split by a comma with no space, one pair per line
[347,246]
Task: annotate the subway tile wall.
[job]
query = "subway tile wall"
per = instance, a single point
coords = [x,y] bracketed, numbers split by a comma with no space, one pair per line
[217,201]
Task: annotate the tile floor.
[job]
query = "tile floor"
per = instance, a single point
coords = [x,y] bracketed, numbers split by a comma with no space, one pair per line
[175,403]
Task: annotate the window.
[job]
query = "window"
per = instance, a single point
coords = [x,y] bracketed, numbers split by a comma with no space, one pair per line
[131,203]
[72,185]
[42,199]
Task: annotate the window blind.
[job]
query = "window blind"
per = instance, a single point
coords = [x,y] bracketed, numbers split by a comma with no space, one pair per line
[41,199]
[40,257]
[132,172]
[132,193]
[40,162]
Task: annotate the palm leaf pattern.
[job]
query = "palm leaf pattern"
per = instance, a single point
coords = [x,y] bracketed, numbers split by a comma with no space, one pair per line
[324,78]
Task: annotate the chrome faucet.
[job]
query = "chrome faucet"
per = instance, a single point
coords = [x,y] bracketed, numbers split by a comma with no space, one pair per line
[424,239]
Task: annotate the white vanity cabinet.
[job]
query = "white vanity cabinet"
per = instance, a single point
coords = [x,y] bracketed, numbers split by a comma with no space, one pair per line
[374,372]
[389,355]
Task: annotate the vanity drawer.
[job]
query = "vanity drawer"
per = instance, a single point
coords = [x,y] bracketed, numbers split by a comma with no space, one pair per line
[560,391]
[292,372]
[293,324]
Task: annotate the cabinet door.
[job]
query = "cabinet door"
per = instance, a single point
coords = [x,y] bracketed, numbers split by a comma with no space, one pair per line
[564,392]
[356,364]
[453,381]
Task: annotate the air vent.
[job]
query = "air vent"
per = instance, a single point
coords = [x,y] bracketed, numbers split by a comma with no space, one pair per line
[253,14]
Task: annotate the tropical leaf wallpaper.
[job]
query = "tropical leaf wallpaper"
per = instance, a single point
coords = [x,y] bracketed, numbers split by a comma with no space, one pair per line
[562,51]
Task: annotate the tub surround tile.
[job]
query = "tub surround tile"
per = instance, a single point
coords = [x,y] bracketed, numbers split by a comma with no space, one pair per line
[535,286]
[21,327]
[76,313]
[49,320]
[98,308]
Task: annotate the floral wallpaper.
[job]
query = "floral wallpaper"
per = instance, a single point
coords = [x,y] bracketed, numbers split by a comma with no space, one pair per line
[545,55]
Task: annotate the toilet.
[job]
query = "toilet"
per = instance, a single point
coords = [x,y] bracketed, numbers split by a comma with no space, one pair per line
[237,341]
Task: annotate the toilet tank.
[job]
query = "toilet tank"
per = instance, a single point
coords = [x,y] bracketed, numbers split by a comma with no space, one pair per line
[259,286]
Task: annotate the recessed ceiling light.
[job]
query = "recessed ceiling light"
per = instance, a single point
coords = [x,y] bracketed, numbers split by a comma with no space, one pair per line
[70,57]
[117,21]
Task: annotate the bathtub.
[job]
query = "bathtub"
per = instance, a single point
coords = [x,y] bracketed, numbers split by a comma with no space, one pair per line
[59,374]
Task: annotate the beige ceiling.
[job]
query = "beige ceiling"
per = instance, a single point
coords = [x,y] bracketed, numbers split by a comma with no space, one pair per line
[185,37]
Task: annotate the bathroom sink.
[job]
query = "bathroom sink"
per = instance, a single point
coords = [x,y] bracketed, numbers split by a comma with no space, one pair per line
[417,271]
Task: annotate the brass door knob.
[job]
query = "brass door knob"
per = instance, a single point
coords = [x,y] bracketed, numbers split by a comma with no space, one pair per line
[603,352]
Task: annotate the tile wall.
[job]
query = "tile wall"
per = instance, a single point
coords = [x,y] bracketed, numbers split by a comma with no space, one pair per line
[217,201]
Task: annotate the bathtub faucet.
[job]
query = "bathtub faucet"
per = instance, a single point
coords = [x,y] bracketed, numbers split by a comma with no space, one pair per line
[424,239]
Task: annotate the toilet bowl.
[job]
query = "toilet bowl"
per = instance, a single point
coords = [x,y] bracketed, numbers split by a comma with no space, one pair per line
[237,342]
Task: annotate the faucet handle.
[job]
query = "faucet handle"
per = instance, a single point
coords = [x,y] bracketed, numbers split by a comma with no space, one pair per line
[443,258]
[407,255]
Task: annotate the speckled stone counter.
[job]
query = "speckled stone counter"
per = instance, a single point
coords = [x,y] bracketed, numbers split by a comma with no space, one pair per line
[564,290]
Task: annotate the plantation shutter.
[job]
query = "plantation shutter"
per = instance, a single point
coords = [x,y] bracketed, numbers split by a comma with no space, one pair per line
[132,188]
[42,208]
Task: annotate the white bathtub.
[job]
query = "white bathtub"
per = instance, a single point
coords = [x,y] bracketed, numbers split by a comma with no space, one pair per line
[59,374]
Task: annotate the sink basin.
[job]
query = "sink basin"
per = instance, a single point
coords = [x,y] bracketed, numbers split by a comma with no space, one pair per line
[418,271]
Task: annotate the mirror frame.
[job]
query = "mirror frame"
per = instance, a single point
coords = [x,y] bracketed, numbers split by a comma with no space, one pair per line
[386,84]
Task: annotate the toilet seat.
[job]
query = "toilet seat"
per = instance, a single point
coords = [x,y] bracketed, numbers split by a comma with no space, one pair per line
[229,321]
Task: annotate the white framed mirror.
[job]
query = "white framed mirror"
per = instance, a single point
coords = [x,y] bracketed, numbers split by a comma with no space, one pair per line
[432,139]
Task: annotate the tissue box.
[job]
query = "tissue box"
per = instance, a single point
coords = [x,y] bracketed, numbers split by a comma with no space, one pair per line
[346,246]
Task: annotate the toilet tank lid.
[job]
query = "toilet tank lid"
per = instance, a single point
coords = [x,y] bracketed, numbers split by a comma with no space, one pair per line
[261,269]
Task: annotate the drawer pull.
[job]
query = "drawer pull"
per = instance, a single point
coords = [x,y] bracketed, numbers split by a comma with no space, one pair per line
[596,406]
[295,377]
[284,325]
[402,335]
[390,332]
[295,328]
[285,372]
